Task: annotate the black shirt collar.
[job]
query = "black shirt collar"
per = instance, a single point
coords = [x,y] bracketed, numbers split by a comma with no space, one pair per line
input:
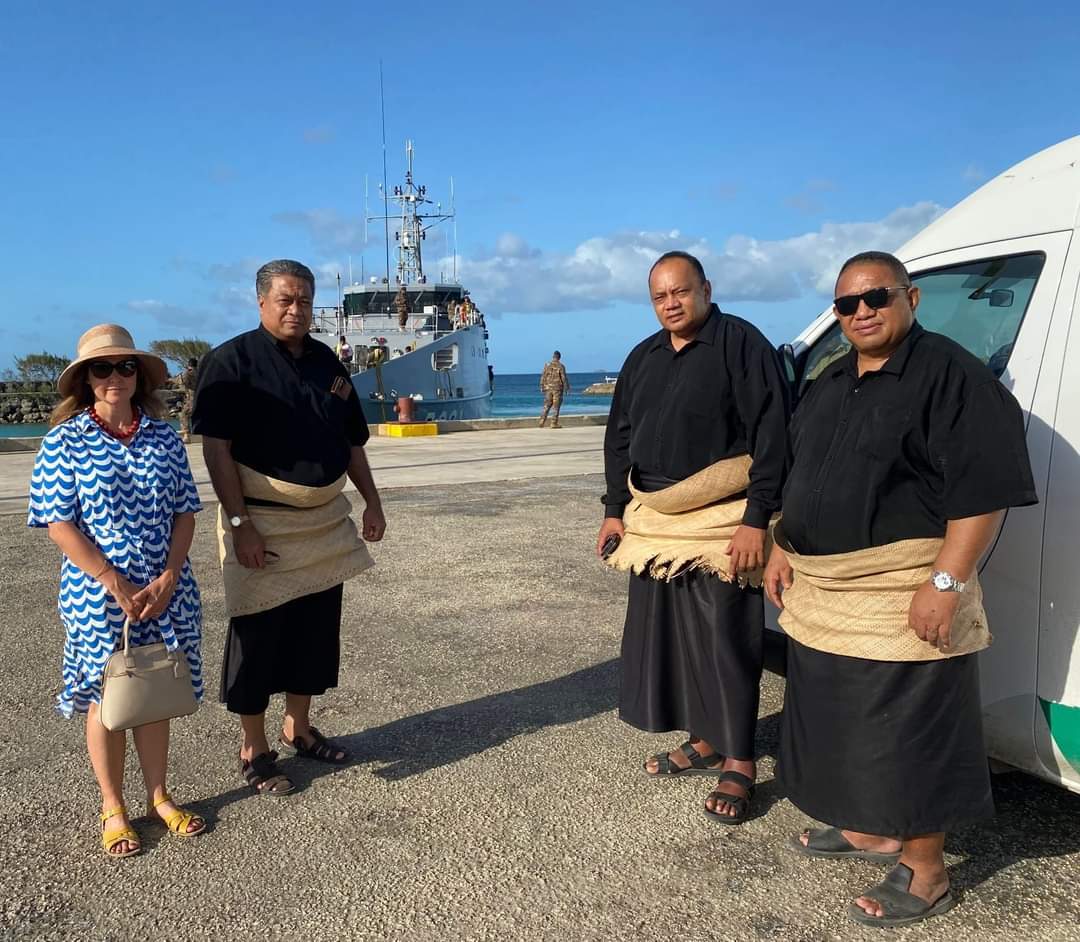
[707,334]
[895,364]
[284,347]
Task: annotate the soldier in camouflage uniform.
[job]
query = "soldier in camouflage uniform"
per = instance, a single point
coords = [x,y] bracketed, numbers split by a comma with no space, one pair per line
[401,303]
[554,385]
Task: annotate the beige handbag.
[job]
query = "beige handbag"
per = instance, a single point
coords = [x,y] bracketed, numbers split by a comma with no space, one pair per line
[145,684]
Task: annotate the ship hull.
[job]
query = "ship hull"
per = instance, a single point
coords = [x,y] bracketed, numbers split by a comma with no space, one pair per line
[450,411]
[461,390]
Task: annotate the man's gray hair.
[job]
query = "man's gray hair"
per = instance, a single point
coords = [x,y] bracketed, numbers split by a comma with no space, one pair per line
[264,277]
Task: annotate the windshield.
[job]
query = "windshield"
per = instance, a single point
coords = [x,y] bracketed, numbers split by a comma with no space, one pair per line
[978,304]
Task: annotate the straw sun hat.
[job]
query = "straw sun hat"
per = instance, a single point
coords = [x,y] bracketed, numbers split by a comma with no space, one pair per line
[110,340]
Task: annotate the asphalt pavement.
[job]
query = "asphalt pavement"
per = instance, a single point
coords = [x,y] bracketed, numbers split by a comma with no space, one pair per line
[494,794]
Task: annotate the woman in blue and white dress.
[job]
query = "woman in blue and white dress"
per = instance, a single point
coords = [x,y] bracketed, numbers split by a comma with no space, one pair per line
[112,483]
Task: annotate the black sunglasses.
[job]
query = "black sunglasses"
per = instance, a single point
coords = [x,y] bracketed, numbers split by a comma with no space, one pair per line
[875,298]
[103,369]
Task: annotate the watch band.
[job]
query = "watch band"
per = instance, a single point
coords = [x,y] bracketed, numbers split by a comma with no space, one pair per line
[946,582]
[236,521]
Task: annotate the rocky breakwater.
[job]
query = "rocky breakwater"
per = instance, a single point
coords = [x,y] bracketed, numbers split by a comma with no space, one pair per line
[26,402]
[599,389]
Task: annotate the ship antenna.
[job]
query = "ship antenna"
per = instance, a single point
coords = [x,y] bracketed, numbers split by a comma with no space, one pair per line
[367,212]
[453,213]
[386,218]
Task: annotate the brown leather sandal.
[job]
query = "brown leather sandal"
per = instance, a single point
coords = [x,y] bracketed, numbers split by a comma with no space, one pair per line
[319,748]
[741,803]
[699,764]
[263,775]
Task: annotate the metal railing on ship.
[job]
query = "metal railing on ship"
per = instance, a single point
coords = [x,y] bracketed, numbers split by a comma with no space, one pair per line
[331,321]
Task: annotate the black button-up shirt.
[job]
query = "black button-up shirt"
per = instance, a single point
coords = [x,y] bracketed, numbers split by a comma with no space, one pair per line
[895,454]
[720,396]
[279,411]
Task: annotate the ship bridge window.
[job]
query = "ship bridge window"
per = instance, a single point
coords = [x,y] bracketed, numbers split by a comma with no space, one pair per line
[445,358]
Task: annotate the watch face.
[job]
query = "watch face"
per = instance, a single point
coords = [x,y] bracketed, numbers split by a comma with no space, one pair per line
[942,581]
[235,521]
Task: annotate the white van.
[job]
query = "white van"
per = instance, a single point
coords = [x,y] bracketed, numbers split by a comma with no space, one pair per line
[999,273]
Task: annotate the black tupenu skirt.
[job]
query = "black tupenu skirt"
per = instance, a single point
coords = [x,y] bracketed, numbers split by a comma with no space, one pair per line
[293,648]
[884,747]
[691,660]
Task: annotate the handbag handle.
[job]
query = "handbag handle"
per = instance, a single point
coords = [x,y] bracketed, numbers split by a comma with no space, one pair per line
[129,658]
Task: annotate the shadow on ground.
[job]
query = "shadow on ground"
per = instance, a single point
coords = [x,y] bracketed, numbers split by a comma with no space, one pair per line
[416,744]
[1034,820]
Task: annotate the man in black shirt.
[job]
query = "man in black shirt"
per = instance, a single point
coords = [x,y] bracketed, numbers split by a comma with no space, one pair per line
[905,453]
[704,390]
[282,426]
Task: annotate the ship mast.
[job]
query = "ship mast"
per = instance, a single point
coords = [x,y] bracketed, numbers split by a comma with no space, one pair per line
[414,223]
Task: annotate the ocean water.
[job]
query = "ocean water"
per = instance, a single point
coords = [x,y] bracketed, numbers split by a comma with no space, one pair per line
[23,431]
[516,395]
[36,431]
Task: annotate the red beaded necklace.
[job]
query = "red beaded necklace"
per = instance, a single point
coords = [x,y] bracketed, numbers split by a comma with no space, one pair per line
[122,432]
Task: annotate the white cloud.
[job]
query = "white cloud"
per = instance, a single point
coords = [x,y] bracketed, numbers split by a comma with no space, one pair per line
[237,279]
[973,173]
[331,231]
[238,272]
[606,269]
[162,314]
[808,200]
[161,310]
[713,192]
[323,134]
[221,174]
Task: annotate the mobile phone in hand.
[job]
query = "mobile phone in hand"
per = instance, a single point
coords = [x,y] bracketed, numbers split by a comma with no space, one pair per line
[610,545]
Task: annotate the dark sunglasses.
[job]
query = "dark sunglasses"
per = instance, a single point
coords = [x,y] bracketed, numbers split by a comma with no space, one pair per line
[874,299]
[103,369]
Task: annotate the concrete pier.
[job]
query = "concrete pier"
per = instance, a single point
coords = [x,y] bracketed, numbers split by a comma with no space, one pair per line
[500,454]
[494,794]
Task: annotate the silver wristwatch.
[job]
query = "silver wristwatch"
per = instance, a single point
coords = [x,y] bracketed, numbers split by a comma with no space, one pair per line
[944,582]
[234,522]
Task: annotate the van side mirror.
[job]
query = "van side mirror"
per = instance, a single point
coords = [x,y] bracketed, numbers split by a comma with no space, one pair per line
[787,360]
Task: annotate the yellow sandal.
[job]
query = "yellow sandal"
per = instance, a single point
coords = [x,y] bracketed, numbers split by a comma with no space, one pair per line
[110,840]
[179,821]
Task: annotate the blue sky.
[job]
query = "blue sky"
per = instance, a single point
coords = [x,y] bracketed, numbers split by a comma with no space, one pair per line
[153,155]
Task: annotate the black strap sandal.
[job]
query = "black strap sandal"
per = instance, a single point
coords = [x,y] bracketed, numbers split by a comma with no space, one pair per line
[831,844]
[263,775]
[741,803]
[321,749]
[898,905]
[699,764]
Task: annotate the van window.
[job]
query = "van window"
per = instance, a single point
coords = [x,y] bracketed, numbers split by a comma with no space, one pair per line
[978,304]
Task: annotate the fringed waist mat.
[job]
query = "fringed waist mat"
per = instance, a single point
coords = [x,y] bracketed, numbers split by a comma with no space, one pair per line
[687,524]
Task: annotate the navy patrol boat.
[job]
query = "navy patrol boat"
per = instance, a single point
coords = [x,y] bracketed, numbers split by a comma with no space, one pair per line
[412,338]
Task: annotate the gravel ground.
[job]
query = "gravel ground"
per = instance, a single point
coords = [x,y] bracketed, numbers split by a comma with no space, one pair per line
[494,793]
